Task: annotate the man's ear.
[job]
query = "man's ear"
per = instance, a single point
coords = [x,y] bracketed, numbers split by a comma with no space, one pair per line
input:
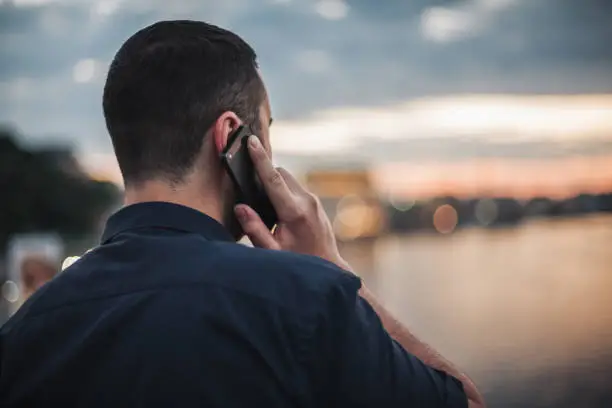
[222,128]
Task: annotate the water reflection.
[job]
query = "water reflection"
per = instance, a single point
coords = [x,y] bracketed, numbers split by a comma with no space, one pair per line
[526,311]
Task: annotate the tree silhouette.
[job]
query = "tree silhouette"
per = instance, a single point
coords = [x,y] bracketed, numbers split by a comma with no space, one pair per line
[45,190]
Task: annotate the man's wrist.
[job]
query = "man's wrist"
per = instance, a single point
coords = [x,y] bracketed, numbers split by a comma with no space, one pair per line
[342,264]
[345,265]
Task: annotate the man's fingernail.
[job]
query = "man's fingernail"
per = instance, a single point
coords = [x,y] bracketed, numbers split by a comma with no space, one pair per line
[254,142]
[241,213]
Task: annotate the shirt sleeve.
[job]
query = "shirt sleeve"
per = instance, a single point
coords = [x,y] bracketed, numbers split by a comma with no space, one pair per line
[367,368]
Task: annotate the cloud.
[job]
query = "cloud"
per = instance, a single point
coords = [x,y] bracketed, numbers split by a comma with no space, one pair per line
[452,127]
[470,18]
[332,9]
[315,55]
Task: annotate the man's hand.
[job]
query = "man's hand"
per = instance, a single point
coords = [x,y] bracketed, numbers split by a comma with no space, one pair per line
[303,226]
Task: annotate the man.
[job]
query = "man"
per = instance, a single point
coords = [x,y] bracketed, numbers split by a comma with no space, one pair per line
[169,310]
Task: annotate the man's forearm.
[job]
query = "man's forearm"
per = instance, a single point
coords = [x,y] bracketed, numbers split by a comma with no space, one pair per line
[422,351]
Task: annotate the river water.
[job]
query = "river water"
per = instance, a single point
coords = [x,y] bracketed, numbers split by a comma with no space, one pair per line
[526,312]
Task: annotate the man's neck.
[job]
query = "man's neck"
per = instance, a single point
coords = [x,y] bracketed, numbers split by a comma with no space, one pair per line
[184,195]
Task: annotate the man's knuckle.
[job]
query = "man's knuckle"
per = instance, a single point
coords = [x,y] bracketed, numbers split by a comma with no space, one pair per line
[298,213]
[312,201]
[275,178]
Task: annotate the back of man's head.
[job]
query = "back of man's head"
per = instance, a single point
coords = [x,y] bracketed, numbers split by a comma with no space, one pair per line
[166,86]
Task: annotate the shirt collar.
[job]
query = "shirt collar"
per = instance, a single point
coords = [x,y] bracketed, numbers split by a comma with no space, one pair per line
[164,215]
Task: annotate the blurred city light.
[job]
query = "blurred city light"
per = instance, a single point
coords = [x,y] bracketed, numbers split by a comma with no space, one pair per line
[69,261]
[356,217]
[10,291]
[486,211]
[445,219]
[401,204]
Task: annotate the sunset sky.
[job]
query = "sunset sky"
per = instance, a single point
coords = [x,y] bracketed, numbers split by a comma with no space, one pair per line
[458,90]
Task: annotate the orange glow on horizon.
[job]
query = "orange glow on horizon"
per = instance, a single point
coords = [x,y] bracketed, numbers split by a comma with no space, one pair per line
[518,178]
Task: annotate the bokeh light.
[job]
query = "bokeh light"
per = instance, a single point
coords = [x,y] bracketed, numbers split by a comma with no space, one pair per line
[10,291]
[69,261]
[356,218]
[486,211]
[445,219]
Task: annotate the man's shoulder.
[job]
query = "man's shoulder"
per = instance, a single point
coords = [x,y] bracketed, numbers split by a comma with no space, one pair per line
[291,262]
[282,270]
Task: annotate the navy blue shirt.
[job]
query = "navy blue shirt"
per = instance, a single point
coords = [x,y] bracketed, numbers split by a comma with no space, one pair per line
[168,311]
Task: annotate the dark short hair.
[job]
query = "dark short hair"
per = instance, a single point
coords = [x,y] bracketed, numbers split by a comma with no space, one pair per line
[166,86]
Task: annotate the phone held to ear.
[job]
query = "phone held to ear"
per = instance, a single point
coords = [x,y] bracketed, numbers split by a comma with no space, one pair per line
[249,190]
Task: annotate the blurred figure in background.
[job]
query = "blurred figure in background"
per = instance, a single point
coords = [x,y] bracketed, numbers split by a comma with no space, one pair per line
[35,272]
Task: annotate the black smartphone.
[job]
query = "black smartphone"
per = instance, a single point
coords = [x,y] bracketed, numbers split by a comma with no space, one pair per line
[249,190]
